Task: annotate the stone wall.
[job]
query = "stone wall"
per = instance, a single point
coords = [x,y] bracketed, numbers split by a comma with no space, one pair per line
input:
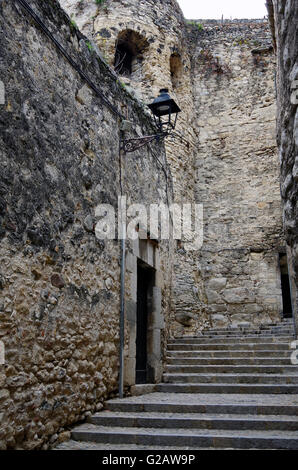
[162,60]
[225,87]
[59,284]
[285,30]
[237,175]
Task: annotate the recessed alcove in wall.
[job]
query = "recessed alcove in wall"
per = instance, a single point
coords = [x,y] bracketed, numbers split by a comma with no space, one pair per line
[176,68]
[130,48]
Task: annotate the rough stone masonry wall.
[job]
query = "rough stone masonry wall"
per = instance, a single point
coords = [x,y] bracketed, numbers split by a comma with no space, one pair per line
[237,175]
[59,285]
[286,33]
[227,94]
[162,26]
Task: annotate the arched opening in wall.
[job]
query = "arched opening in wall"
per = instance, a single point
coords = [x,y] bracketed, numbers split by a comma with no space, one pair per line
[129,54]
[176,69]
[285,286]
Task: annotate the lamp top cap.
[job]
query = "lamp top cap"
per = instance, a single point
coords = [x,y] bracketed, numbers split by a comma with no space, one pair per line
[164,100]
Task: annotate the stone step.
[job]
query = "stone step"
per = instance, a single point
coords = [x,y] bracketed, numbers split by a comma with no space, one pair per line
[96,446]
[247,388]
[271,326]
[186,359]
[224,389]
[234,353]
[212,404]
[279,331]
[192,344]
[194,420]
[228,378]
[243,331]
[229,346]
[225,369]
[267,334]
[280,327]
[187,437]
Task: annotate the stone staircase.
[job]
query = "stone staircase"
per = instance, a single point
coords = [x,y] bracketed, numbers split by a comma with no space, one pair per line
[227,389]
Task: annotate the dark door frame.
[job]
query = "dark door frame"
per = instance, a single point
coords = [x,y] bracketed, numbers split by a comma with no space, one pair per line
[145,283]
[285,286]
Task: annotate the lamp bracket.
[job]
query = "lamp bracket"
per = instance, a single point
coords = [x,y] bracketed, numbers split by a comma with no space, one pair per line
[130,145]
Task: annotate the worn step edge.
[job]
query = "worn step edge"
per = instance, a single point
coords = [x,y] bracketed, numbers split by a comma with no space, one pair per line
[210,374]
[242,352]
[190,421]
[230,360]
[231,346]
[168,437]
[245,368]
[266,337]
[230,408]
[250,344]
[227,388]
[229,379]
[95,446]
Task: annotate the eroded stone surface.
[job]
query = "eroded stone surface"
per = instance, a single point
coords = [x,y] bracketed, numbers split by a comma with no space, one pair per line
[60,285]
[284,16]
[225,88]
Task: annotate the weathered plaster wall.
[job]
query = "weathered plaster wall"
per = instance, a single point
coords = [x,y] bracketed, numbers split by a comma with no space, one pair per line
[286,33]
[60,286]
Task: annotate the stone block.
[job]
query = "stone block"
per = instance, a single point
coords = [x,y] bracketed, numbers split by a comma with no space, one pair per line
[157,317]
[239,319]
[218,308]
[126,126]
[84,95]
[129,371]
[219,321]
[252,308]
[142,389]
[185,319]
[213,297]
[131,262]
[217,283]
[237,295]
[131,311]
